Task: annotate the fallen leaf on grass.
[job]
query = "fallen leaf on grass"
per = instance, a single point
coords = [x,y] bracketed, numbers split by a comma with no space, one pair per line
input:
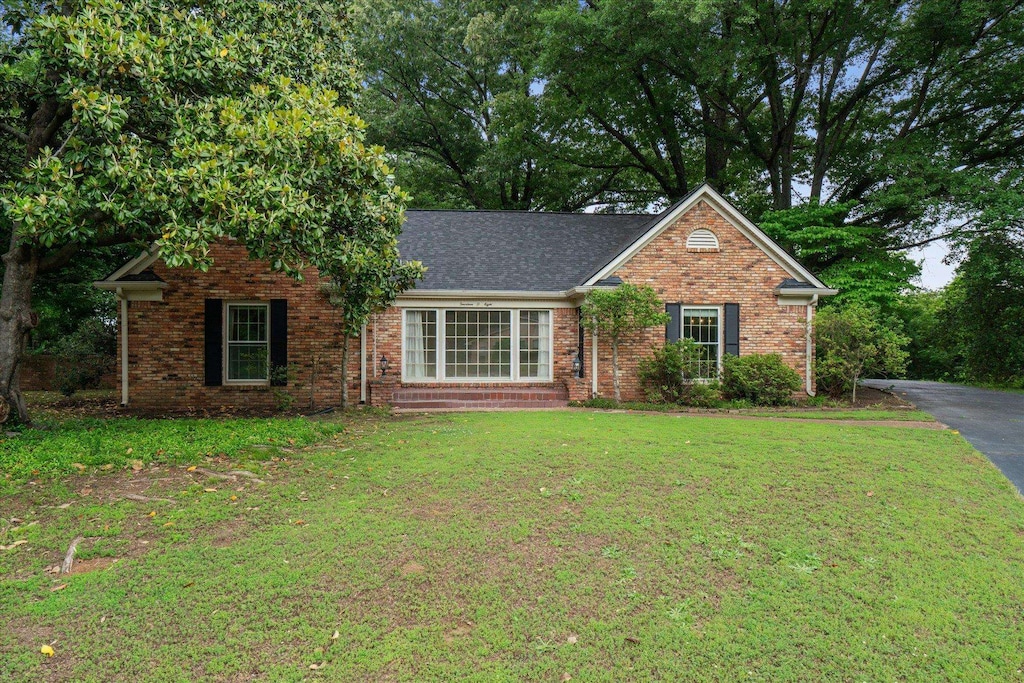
[566,677]
[190,469]
[65,506]
[300,522]
[168,524]
[58,588]
[335,636]
[137,465]
[78,466]
[106,468]
[47,650]
[13,545]
[234,497]
[321,665]
[633,639]
[210,490]
[152,514]
[571,640]
[870,494]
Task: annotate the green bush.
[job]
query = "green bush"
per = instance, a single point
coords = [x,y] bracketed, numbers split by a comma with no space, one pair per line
[761,378]
[84,356]
[673,375]
[855,342]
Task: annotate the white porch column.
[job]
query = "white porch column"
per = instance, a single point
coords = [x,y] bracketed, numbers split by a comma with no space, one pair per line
[362,364]
[809,352]
[124,351]
[593,364]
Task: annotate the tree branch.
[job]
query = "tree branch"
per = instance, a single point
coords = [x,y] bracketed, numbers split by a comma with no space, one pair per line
[59,258]
[10,130]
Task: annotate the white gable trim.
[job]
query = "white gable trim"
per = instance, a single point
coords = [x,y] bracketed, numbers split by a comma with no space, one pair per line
[138,264]
[728,212]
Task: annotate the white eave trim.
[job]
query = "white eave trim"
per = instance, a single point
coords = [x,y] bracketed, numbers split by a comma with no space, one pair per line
[130,285]
[727,211]
[479,294]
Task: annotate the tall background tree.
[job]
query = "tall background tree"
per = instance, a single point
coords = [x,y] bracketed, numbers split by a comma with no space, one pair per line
[905,117]
[454,90]
[180,123]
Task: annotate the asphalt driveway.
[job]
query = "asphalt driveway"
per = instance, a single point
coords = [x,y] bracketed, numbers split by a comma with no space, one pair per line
[993,421]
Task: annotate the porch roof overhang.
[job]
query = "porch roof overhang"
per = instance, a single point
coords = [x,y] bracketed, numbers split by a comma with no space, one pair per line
[134,290]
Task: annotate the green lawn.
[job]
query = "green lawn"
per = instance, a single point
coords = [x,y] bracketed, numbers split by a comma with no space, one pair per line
[525,546]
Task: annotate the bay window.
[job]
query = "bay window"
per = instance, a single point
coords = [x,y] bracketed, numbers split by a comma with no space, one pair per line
[477,345]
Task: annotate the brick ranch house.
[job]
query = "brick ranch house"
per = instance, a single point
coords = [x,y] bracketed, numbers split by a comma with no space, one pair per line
[495,321]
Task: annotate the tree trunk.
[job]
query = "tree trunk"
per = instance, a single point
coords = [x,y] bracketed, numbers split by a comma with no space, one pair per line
[16,321]
[344,373]
[854,400]
[21,264]
[615,369]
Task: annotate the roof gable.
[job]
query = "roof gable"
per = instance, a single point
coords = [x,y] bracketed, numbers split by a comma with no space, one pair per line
[731,214]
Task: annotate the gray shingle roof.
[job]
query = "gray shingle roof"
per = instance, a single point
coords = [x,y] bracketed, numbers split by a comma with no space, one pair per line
[144,276]
[793,283]
[514,250]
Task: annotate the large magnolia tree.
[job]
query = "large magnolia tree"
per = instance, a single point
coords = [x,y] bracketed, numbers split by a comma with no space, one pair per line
[182,122]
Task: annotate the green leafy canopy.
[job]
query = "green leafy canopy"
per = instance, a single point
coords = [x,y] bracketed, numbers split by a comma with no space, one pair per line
[184,128]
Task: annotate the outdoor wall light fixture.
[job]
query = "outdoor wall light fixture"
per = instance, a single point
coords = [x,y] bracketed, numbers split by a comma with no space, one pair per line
[383,365]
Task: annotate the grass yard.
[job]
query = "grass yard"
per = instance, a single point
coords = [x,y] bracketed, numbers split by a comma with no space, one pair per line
[515,546]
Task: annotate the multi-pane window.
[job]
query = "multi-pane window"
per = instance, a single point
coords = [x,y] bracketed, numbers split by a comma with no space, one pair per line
[477,344]
[248,342]
[701,325]
[534,344]
[420,344]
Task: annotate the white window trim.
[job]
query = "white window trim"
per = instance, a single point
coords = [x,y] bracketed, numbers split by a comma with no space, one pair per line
[225,336]
[721,332]
[440,364]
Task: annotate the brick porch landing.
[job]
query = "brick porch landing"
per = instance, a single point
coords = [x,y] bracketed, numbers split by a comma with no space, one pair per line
[479,398]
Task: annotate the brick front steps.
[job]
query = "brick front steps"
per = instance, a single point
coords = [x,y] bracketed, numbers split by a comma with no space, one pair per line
[481,398]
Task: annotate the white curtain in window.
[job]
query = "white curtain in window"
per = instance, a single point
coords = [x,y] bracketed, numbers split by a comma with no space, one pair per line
[544,355]
[415,356]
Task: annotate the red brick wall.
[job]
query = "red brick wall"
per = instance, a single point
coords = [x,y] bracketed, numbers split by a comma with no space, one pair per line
[166,339]
[739,272]
[39,373]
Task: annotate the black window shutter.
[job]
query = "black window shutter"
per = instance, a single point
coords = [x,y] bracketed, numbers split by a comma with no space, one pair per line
[732,329]
[673,328]
[583,341]
[278,342]
[214,342]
